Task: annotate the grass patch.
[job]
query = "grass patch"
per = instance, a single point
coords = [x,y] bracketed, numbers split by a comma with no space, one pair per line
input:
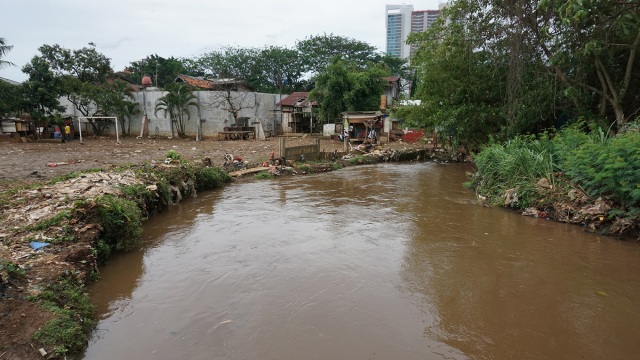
[207,178]
[52,221]
[73,313]
[306,169]
[72,175]
[337,166]
[12,270]
[264,175]
[173,155]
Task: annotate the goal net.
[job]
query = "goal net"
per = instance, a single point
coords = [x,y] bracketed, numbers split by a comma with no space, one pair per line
[88,119]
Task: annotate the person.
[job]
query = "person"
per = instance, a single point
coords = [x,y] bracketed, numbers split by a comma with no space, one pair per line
[373,136]
[67,132]
[56,134]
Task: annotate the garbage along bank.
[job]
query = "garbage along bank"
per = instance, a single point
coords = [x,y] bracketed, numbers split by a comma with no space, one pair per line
[54,234]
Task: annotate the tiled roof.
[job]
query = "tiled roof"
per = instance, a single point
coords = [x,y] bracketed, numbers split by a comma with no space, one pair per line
[298,99]
[196,82]
[392,79]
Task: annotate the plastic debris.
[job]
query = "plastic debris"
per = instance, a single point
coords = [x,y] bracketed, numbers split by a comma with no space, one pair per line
[35,245]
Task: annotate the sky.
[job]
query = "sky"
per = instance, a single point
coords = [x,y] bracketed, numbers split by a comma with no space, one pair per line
[129,30]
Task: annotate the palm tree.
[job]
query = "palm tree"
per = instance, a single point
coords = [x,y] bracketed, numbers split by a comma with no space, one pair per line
[176,103]
[4,50]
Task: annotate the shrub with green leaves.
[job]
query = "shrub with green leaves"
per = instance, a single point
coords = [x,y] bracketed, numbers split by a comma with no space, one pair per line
[609,169]
[210,178]
[263,175]
[173,155]
[121,220]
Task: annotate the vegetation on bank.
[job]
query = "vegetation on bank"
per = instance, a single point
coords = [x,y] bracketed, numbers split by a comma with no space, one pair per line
[119,220]
[556,170]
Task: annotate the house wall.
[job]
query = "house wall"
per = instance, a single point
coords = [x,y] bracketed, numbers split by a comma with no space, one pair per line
[262,108]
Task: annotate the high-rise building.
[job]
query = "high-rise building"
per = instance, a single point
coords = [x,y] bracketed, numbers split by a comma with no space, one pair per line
[401,21]
[421,20]
[398,25]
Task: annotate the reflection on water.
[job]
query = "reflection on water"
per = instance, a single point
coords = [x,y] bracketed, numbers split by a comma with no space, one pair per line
[373,262]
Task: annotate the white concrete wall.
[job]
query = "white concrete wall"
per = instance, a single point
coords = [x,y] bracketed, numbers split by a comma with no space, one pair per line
[262,108]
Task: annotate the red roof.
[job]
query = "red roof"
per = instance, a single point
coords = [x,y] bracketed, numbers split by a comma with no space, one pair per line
[295,98]
[196,82]
[392,79]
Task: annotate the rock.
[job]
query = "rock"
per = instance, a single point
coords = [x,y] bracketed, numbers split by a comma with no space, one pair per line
[544,184]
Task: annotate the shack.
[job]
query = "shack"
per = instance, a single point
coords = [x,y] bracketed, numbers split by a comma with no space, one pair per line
[359,123]
[18,130]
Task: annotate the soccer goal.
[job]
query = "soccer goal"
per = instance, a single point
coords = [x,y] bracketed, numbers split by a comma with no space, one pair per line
[86,118]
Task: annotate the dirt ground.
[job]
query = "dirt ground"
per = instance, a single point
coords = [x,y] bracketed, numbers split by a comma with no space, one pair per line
[39,161]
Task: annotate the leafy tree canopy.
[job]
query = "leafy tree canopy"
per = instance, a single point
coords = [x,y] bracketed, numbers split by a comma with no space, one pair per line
[161,70]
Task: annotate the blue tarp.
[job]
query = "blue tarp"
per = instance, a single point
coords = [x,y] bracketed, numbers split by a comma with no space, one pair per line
[37,245]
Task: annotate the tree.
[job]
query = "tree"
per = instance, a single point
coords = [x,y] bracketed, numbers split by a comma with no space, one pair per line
[86,64]
[332,84]
[601,37]
[231,98]
[318,51]
[42,91]
[345,87]
[11,99]
[164,71]
[230,62]
[83,74]
[176,104]
[280,70]
[4,50]
[461,82]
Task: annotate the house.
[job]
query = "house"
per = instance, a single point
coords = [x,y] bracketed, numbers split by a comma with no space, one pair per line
[392,91]
[296,110]
[225,84]
[359,123]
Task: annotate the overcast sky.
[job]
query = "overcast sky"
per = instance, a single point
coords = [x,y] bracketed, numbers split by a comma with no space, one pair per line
[127,31]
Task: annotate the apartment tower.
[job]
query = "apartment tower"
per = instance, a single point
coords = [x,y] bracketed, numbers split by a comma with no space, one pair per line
[398,25]
[421,20]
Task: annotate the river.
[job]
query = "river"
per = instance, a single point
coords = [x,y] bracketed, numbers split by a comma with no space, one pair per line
[393,261]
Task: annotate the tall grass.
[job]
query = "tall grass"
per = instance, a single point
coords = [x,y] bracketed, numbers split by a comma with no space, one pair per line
[517,164]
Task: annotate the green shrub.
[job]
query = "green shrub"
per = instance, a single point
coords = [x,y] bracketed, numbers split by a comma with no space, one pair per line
[517,164]
[264,175]
[121,221]
[210,178]
[173,155]
[608,168]
[337,166]
[306,168]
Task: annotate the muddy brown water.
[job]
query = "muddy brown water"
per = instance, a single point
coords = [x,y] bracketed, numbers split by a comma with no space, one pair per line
[390,261]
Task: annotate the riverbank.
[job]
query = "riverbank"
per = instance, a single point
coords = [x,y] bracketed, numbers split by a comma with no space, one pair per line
[58,226]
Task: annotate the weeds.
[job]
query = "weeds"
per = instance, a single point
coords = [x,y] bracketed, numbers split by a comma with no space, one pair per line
[71,175]
[207,178]
[121,221]
[173,155]
[73,312]
[263,175]
[52,221]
